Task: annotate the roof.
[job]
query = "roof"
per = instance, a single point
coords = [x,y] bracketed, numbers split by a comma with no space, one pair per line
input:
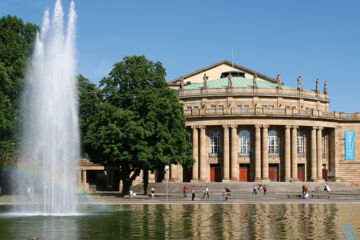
[237,82]
[173,82]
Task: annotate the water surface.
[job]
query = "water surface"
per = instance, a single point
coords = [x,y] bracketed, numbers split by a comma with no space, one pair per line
[235,221]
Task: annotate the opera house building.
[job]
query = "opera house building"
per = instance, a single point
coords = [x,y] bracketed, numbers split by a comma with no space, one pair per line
[250,127]
[246,126]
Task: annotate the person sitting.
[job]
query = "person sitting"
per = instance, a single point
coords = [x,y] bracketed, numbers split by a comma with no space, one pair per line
[227,193]
[327,188]
[152,192]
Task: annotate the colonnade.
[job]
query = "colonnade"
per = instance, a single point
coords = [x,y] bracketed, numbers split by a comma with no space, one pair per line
[230,150]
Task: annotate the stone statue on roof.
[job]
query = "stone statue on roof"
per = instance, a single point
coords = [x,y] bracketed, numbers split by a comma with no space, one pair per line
[278,79]
[255,82]
[181,83]
[230,81]
[205,78]
[317,85]
[325,88]
[299,83]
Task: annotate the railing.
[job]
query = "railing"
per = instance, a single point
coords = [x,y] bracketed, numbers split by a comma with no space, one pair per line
[273,112]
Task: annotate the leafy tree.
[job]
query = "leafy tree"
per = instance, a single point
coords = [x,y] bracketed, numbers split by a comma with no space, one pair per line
[89,100]
[140,123]
[16,44]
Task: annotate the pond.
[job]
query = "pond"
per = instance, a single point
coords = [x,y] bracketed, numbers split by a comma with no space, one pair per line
[188,221]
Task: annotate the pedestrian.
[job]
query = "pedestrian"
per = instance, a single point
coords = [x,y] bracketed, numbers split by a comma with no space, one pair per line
[260,188]
[152,192]
[131,193]
[254,190]
[303,191]
[306,196]
[28,192]
[0,191]
[264,189]
[327,188]
[206,192]
[192,193]
[185,191]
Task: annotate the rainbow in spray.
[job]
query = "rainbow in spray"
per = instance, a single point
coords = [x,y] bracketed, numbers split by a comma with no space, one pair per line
[51,142]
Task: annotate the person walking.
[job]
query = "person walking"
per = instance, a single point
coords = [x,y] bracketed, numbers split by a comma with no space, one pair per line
[260,189]
[152,192]
[264,189]
[185,191]
[192,193]
[254,190]
[206,192]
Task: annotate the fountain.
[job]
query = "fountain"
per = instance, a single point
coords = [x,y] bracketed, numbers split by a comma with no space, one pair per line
[50,147]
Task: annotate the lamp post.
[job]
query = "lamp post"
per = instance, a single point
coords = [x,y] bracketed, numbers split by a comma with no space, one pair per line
[167,180]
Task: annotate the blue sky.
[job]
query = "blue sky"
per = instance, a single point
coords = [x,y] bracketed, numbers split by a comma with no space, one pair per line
[314,39]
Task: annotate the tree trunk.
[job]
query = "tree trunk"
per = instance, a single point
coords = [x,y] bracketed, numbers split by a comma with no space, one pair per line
[145,181]
[126,184]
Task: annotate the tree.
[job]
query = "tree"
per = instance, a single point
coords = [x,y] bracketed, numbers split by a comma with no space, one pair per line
[140,123]
[89,100]
[16,44]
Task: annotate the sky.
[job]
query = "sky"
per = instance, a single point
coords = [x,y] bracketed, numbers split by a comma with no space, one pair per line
[307,38]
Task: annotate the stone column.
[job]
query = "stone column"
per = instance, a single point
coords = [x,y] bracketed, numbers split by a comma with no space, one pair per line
[85,185]
[336,162]
[203,158]
[257,154]
[319,155]
[294,166]
[287,153]
[313,154]
[234,154]
[226,163]
[173,173]
[265,150]
[195,150]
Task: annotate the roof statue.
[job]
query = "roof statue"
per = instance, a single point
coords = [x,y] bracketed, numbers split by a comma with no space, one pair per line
[182,83]
[299,83]
[254,81]
[278,79]
[230,81]
[317,85]
[205,78]
[325,88]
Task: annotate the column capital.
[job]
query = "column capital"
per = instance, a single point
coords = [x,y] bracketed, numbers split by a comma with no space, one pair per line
[265,126]
[295,127]
[202,127]
[226,126]
[234,126]
[257,126]
[288,126]
[314,127]
[320,128]
[194,127]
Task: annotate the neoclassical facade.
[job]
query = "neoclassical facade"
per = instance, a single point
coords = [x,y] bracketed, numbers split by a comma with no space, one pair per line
[246,126]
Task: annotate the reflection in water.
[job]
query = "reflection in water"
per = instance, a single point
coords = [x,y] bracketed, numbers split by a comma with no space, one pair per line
[202,221]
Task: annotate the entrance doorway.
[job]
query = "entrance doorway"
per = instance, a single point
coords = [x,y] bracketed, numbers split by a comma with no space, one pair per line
[301,172]
[244,173]
[273,172]
[187,175]
[215,173]
[324,173]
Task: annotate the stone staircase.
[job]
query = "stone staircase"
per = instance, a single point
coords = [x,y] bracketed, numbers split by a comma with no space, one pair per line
[245,188]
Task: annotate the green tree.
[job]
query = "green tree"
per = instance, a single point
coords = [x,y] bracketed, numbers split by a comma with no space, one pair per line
[16,44]
[140,123]
[89,100]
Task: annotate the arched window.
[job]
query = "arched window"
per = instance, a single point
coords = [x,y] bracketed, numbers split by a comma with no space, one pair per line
[215,143]
[273,141]
[300,144]
[244,143]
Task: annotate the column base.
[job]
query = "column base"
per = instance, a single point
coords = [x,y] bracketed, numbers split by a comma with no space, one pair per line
[265,180]
[319,180]
[257,179]
[313,179]
[174,180]
[234,180]
[202,180]
[225,180]
[194,180]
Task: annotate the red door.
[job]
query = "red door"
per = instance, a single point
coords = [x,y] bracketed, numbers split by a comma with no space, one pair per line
[244,172]
[215,173]
[325,174]
[301,172]
[273,172]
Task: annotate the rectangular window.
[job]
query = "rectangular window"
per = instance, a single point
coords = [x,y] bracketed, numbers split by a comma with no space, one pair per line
[189,109]
[271,108]
[246,108]
[213,108]
[196,107]
[264,106]
[300,146]
[221,108]
[239,108]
